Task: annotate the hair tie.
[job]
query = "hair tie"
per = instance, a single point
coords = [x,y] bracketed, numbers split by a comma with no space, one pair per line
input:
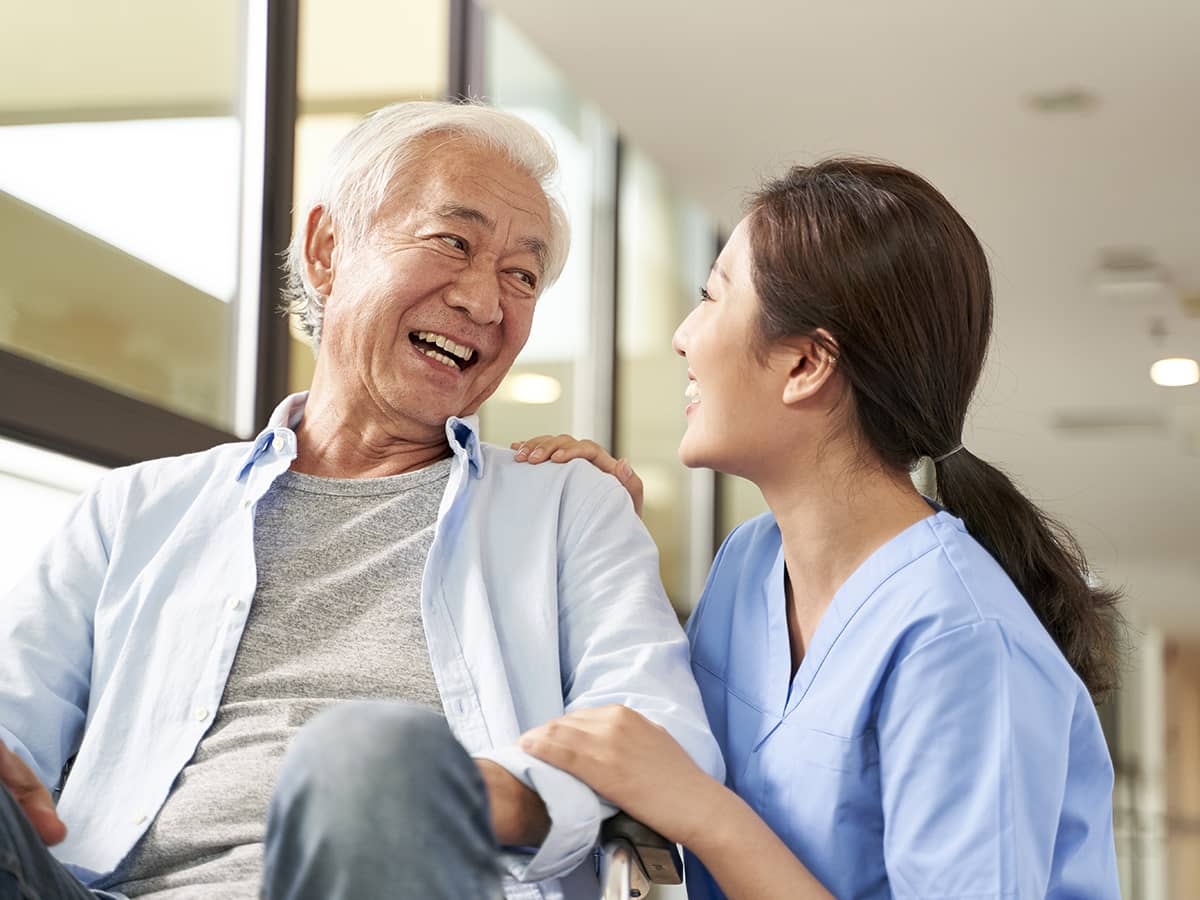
[938,459]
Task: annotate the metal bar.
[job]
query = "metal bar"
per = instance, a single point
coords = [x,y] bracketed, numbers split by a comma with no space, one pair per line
[465,79]
[273,342]
[616,871]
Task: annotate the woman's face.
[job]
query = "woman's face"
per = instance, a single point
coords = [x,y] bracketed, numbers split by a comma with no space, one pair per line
[732,397]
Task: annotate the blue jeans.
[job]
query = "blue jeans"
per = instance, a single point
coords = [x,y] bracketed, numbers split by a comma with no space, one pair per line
[373,800]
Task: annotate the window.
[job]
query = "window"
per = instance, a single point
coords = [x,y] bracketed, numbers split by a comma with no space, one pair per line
[120,198]
[558,383]
[666,251]
[37,490]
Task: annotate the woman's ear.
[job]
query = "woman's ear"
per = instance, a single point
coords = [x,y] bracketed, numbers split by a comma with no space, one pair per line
[813,361]
[318,250]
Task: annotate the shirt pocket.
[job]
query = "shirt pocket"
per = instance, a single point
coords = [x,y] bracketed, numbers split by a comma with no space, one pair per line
[832,817]
[839,754]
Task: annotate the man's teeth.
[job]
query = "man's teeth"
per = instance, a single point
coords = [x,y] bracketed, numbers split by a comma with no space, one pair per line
[692,394]
[432,337]
[441,357]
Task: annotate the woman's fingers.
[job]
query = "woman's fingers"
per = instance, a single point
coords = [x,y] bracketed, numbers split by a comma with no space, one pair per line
[563,448]
[633,484]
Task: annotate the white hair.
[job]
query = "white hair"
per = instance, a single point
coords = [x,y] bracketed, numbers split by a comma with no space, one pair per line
[379,151]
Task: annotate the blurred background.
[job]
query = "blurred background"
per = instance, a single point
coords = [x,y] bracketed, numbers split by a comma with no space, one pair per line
[151,154]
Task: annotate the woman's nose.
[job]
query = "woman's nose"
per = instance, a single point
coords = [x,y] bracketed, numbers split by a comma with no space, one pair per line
[679,339]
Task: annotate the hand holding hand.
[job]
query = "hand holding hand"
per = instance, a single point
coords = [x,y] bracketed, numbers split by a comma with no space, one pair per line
[563,448]
[31,795]
[634,764]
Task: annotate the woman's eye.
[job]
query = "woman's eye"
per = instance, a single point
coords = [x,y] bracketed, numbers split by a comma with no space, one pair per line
[705,296]
[527,277]
[454,241]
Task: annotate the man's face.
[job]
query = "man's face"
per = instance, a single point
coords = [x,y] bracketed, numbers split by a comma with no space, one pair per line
[426,314]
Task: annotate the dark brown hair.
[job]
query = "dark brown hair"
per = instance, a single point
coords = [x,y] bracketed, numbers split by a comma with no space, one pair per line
[877,257]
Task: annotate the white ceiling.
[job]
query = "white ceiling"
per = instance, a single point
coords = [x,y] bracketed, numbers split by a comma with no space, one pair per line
[723,94]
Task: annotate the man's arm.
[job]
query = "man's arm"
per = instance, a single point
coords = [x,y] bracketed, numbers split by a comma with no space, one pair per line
[619,642]
[46,632]
[519,817]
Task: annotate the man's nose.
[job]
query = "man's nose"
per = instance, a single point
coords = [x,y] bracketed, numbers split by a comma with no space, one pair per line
[477,293]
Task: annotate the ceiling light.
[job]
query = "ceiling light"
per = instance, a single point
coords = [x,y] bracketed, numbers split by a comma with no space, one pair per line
[1175,372]
[529,387]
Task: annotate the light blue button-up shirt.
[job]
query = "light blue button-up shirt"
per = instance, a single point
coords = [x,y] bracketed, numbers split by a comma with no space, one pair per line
[934,743]
[540,595]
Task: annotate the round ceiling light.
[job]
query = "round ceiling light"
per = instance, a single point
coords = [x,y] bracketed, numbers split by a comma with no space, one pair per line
[1175,372]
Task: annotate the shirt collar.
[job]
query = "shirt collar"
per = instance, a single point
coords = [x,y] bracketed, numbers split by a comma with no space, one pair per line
[462,434]
[463,437]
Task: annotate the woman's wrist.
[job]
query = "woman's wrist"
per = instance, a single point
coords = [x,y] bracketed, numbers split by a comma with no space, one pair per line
[715,808]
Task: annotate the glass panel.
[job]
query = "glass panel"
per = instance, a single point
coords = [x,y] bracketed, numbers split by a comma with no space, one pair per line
[346,70]
[37,490]
[543,392]
[666,250]
[119,197]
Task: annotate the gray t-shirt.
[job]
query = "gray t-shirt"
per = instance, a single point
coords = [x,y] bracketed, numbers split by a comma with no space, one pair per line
[336,616]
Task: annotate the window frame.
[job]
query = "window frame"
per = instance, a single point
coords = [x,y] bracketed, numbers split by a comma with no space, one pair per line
[48,407]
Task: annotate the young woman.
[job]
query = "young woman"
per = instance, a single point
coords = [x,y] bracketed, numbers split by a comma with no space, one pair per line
[903,690]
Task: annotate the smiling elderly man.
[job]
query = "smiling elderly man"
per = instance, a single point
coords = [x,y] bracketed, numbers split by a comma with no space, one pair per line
[305,662]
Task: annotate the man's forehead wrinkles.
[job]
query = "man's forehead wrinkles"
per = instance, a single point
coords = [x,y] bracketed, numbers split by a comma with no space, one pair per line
[519,200]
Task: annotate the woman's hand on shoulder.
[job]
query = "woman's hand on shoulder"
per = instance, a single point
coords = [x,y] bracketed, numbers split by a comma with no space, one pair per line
[562,448]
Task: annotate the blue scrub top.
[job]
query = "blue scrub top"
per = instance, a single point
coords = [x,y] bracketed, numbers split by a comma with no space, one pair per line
[934,742]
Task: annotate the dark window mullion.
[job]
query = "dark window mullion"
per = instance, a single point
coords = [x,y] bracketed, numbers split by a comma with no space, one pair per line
[271,381]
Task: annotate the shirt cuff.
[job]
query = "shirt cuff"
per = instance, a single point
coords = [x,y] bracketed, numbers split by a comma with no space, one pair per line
[574,808]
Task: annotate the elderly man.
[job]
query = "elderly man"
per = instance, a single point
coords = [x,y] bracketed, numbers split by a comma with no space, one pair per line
[305,662]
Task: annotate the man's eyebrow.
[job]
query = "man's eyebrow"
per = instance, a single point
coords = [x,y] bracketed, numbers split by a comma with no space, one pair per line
[536,246]
[464,213]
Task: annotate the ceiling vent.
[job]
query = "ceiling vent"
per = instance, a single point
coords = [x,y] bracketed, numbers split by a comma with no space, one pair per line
[1110,422]
[1131,274]
[1063,100]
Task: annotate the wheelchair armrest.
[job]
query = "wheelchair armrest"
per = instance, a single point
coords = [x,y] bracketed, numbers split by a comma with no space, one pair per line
[658,857]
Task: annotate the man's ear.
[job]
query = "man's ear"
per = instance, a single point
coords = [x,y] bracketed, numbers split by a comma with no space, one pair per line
[812,363]
[318,250]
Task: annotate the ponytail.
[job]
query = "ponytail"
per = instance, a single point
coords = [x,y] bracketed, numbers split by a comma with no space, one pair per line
[1045,563]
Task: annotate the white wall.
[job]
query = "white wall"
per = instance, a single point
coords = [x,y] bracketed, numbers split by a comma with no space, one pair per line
[37,490]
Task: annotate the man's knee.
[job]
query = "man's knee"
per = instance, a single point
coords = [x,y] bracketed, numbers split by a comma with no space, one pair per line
[365,752]
[378,793]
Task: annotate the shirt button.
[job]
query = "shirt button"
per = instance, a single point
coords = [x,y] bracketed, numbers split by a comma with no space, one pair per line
[201,713]
[235,603]
[247,503]
[139,819]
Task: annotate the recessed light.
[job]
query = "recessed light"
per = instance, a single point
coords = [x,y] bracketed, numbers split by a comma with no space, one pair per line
[1175,372]
[529,387]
